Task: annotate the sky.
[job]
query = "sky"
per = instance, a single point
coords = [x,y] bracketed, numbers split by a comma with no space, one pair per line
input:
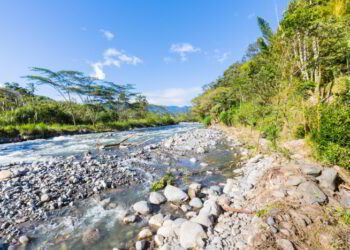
[168,49]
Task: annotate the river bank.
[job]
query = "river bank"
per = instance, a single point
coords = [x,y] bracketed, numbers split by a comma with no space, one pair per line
[273,202]
[18,133]
[266,201]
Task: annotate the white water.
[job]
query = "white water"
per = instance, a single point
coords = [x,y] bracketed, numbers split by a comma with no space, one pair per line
[44,149]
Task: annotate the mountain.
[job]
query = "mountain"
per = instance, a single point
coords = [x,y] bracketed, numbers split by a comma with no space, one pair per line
[169,109]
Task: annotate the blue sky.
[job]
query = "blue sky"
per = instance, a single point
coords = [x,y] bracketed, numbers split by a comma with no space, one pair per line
[167,48]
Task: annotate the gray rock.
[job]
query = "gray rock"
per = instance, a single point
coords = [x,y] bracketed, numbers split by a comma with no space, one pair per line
[156,198]
[270,221]
[166,231]
[44,197]
[156,220]
[228,187]
[344,198]
[141,207]
[210,207]
[196,203]
[175,194]
[311,193]
[328,179]
[285,244]
[295,180]
[311,169]
[203,219]
[192,235]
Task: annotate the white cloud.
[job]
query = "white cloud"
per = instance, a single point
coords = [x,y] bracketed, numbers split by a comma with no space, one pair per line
[107,34]
[173,96]
[183,49]
[112,57]
[220,56]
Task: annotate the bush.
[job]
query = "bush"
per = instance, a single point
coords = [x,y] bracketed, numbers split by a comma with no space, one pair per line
[207,121]
[299,132]
[165,180]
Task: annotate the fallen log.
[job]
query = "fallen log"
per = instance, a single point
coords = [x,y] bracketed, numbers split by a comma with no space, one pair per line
[114,145]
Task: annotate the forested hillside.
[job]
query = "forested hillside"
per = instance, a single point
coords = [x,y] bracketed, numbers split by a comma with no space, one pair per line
[292,83]
[88,104]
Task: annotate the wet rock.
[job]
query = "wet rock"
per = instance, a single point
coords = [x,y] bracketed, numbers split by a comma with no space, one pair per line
[196,203]
[311,193]
[328,179]
[24,240]
[144,234]
[142,207]
[192,235]
[129,219]
[175,194]
[285,244]
[156,220]
[156,198]
[90,236]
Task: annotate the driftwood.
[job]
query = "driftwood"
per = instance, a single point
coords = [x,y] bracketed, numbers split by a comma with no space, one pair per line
[114,145]
[236,210]
[344,174]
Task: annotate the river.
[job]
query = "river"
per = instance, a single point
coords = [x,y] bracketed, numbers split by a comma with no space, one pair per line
[64,227]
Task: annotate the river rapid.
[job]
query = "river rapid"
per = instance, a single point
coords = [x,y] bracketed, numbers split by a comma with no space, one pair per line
[126,175]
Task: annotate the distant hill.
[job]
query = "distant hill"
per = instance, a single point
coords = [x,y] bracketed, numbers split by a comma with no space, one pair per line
[169,109]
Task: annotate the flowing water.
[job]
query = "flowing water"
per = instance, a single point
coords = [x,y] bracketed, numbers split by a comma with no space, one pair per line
[64,228]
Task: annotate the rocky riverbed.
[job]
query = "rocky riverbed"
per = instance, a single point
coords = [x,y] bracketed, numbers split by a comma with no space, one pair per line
[268,202]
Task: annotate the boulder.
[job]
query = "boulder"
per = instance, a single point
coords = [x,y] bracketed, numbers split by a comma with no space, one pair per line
[311,193]
[311,169]
[344,198]
[328,179]
[166,231]
[156,198]
[175,194]
[23,239]
[129,219]
[141,245]
[192,235]
[196,203]
[156,220]
[141,207]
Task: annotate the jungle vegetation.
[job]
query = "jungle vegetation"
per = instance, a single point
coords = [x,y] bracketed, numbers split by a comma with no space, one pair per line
[293,82]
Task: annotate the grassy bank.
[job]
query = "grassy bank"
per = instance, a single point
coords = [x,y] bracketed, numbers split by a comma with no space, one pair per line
[22,132]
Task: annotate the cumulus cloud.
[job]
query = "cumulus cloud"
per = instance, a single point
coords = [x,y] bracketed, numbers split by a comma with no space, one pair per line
[112,57]
[220,56]
[173,96]
[107,34]
[183,49]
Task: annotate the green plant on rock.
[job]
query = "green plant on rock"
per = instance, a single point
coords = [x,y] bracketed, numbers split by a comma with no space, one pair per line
[165,180]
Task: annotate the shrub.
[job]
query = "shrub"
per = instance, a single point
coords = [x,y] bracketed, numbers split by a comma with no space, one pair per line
[165,180]
[207,121]
[299,132]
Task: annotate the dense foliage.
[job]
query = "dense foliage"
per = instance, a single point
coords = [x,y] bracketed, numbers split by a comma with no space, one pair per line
[292,83]
[87,103]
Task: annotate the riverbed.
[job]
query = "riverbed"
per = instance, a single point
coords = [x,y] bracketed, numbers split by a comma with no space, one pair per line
[148,152]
